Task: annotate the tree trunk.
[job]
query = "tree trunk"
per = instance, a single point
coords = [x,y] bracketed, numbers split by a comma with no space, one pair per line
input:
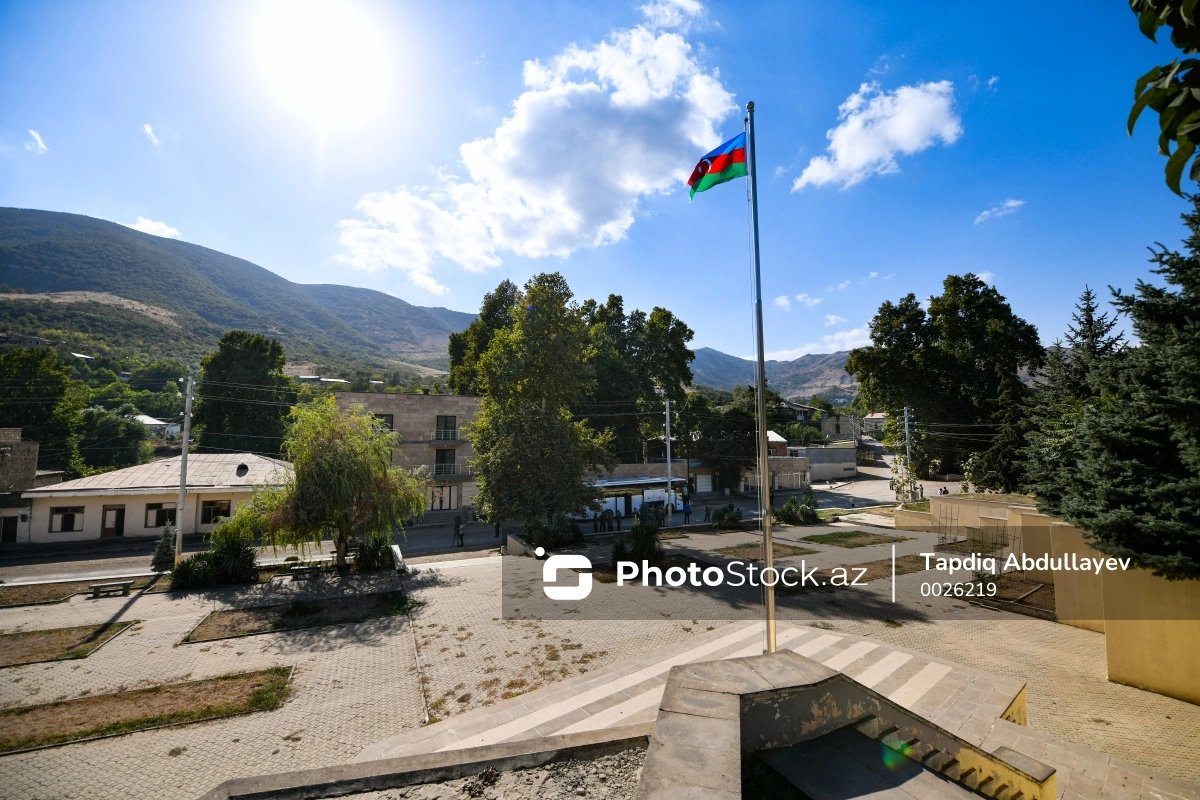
[341,544]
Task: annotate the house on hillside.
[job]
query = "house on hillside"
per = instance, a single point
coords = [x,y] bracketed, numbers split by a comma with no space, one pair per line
[158,427]
[777,445]
[841,426]
[18,473]
[141,500]
[803,413]
[873,423]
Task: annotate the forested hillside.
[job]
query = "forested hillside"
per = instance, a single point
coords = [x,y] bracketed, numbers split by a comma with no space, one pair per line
[205,293]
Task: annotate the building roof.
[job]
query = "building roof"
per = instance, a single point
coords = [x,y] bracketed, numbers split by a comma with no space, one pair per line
[772,436]
[876,415]
[146,419]
[205,471]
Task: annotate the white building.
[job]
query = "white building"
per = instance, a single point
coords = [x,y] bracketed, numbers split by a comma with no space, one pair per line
[141,500]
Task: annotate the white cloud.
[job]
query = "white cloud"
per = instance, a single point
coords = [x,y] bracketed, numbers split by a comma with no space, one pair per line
[841,340]
[672,13]
[148,129]
[872,275]
[1009,206]
[992,81]
[875,126]
[595,131]
[987,276]
[783,302]
[843,285]
[37,146]
[808,301]
[880,67]
[153,228]
[833,319]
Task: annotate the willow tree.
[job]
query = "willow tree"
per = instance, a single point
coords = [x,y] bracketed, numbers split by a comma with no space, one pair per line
[343,483]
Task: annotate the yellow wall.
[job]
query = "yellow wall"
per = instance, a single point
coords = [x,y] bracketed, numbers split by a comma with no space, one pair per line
[1078,596]
[1152,633]
[913,520]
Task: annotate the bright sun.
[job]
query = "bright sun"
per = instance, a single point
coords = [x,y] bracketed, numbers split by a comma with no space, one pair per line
[328,62]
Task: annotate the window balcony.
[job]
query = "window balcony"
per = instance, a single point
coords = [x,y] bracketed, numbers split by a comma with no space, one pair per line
[444,435]
[460,470]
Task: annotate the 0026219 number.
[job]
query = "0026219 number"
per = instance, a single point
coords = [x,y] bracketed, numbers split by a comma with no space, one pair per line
[986,589]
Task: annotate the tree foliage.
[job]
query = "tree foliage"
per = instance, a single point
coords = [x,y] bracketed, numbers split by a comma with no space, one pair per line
[1172,90]
[243,396]
[467,347]
[532,456]
[112,439]
[1132,453]
[343,483]
[948,365]
[38,396]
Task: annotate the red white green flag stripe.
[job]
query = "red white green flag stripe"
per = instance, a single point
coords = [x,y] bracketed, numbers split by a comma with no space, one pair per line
[723,164]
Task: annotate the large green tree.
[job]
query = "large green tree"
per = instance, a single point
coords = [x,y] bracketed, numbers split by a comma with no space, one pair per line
[243,397]
[112,439]
[38,396]
[467,347]
[1135,482]
[948,365]
[533,458]
[344,485]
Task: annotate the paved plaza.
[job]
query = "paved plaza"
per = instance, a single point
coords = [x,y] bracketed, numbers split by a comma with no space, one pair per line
[359,693]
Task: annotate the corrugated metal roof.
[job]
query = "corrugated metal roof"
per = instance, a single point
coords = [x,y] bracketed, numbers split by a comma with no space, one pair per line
[204,469]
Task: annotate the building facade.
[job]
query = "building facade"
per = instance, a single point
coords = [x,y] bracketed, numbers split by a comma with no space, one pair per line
[140,501]
[19,473]
[431,429]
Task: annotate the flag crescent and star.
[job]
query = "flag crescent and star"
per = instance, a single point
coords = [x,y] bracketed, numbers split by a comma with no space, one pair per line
[721,165]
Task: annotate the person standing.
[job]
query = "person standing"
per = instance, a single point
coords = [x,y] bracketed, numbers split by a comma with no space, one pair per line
[458,534]
[708,512]
[687,511]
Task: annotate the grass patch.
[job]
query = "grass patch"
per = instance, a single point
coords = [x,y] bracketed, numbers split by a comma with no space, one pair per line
[1020,499]
[129,711]
[753,550]
[833,513]
[874,571]
[298,614]
[853,538]
[605,573]
[970,546]
[920,505]
[1016,589]
[38,593]
[28,647]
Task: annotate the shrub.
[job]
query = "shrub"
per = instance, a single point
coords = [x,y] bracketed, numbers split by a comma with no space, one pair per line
[794,512]
[164,552]
[194,572]
[563,531]
[234,556]
[374,552]
[728,518]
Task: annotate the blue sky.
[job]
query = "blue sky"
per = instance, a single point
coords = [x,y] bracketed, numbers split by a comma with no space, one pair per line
[430,150]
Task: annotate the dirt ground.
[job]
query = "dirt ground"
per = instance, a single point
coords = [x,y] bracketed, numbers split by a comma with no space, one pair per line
[853,538]
[29,646]
[754,550]
[297,614]
[129,710]
[55,592]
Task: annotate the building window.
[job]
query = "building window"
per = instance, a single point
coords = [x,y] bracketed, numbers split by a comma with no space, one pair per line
[66,519]
[387,420]
[447,429]
[444,462]
[159,515]
[213,510]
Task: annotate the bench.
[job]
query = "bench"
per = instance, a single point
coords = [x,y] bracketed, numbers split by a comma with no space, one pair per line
[398,559]
[99,589]
[303,569]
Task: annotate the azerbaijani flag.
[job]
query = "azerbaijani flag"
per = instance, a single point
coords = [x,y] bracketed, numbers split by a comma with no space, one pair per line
[723,164]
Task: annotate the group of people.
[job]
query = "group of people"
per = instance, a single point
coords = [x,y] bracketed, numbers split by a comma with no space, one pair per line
[603,521]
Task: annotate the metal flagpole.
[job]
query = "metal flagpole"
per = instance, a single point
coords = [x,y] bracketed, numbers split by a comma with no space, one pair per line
[670,496]
[764,464]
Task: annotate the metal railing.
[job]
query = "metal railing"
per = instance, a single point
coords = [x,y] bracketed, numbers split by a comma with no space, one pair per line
[448,470]
[444,435]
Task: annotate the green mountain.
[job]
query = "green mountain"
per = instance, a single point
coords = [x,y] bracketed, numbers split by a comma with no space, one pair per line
[818,373]
[95,284]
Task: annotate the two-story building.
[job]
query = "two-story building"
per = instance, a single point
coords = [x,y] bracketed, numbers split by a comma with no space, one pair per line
[19,473]
[431,435]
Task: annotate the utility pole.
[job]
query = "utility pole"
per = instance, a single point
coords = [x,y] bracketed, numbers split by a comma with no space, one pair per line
[180,506]
[907,458]
[670,503]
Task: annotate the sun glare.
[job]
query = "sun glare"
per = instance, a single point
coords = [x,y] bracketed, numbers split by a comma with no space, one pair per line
[327,62]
